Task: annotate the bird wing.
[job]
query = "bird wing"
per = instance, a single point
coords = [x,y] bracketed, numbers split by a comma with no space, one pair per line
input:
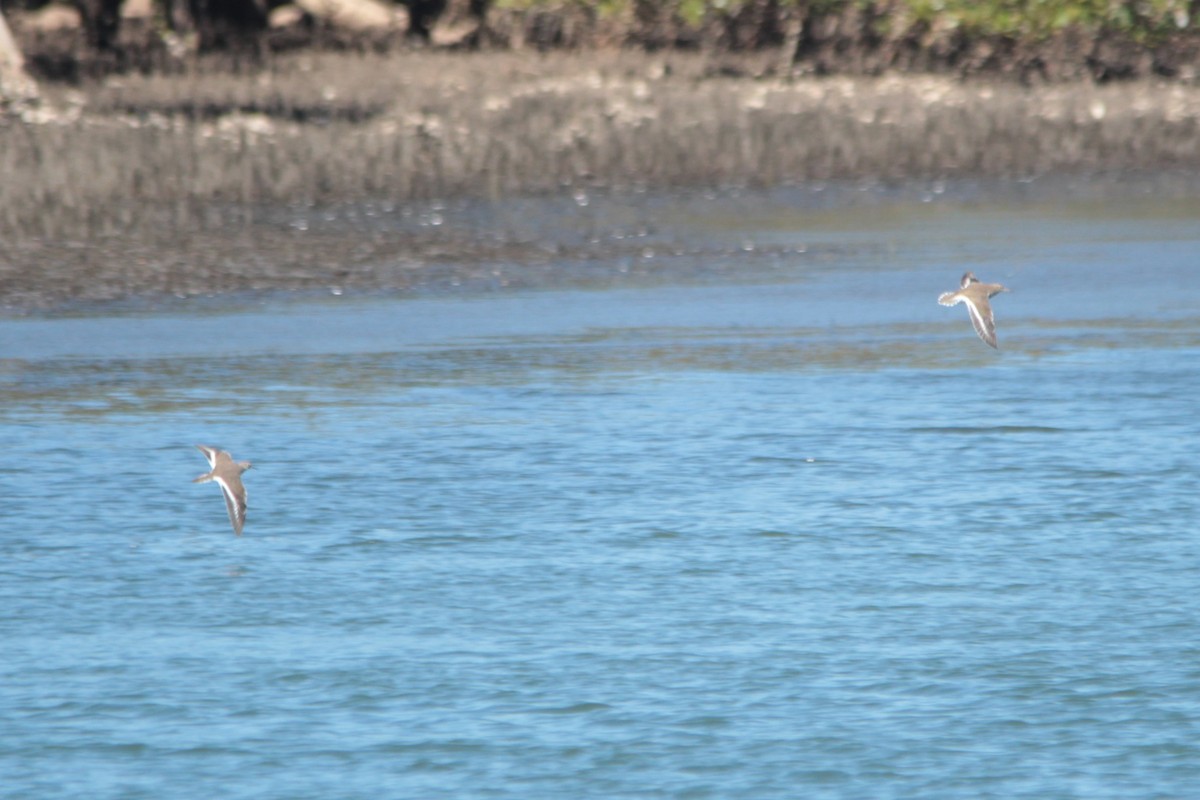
[210,453]
[981,318]
[950,298]
[235,500]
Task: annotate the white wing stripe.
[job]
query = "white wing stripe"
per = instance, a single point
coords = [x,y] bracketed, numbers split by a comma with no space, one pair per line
[982,325]
[231,504]
[210,455]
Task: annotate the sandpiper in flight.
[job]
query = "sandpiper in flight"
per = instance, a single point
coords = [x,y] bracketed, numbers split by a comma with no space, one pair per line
[975,295]
[228,475]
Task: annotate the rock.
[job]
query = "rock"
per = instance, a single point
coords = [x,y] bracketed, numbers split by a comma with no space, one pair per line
[16,87]
[285,16]
[353,15]
[52,17]
[137,9]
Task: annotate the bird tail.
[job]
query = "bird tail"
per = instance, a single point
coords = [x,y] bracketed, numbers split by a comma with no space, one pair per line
[948,298]
[205,478]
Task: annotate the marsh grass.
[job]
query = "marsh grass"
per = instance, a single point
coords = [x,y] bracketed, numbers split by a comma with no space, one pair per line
[161,164]
[327,129]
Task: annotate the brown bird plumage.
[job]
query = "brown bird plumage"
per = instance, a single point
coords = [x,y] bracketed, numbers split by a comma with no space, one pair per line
[228,475]
[976,295]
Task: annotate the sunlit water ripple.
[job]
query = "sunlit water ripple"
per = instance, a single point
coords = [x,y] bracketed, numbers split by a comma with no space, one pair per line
[803,538]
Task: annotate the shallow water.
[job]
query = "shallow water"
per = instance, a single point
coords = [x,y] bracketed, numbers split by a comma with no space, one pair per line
[779,532]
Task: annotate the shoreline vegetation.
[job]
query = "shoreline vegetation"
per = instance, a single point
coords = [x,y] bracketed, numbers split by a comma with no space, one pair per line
[1031,41]
[132,160]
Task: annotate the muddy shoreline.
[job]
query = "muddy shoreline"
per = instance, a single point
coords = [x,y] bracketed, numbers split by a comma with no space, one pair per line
[186,185]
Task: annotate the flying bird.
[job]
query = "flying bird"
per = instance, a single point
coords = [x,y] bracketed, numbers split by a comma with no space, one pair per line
[228,475]
[975,295]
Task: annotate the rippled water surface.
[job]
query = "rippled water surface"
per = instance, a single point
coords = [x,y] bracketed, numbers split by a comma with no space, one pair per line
[782,532]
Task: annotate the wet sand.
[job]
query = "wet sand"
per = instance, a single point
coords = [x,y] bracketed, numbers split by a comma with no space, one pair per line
[161,186]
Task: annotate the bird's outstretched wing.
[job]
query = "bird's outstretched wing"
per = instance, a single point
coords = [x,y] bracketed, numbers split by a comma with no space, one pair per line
[210,453]
[982,319]
[235,500]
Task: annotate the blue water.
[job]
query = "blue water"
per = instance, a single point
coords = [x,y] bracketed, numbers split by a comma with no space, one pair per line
[803,536]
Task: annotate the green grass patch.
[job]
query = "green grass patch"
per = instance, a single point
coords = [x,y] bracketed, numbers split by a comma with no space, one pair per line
[1035,19]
